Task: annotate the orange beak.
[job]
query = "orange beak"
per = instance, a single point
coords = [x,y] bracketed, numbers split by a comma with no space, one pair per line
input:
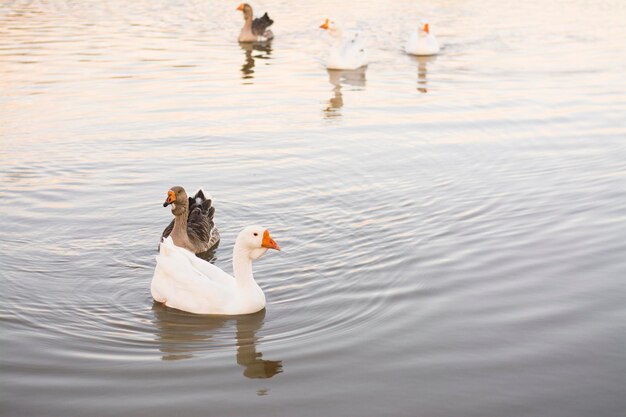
[325,25]
[268,242]
[240,7]
[171,197]
[426,28]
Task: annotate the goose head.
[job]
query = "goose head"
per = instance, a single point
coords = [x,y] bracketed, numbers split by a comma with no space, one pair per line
[331,27]
[177,198]
[246,9]
[422,28]
[256,240]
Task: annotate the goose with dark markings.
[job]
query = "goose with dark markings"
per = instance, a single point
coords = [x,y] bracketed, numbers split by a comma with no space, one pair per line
[254,30]
[193,227]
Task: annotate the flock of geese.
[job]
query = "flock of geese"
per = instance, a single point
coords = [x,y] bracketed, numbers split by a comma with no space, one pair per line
[347,50]
[187,282]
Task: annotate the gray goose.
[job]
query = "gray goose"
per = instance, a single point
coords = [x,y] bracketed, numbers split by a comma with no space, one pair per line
[193,227]
[254,30]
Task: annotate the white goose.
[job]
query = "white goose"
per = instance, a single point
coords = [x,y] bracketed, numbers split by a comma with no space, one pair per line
[182,280]
[421,42]
[347,51]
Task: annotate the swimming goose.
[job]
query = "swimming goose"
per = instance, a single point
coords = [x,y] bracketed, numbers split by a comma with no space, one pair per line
[422,42]
[182,280]
[193,227]
[254,30]
[347,51]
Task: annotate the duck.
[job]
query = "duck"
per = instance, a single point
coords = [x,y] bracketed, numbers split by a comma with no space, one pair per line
[183,281]
[254,30]
[193,227]
[347,51]
[421,42]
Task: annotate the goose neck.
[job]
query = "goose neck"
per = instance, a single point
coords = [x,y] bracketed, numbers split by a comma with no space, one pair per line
[242,265]
[179,231]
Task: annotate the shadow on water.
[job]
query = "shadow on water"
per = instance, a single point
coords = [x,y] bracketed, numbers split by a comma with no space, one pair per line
[422,71]
[339,78]
[247,69]
[181,334]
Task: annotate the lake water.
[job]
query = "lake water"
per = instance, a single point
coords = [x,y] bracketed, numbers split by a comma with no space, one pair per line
[454,228]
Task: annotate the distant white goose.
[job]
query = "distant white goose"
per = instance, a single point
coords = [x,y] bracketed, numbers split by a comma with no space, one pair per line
[182,280]
[422,42]
[347,51]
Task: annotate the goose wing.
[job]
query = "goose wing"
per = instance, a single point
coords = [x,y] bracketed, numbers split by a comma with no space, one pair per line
[260,24]
[201,224]
[183,281]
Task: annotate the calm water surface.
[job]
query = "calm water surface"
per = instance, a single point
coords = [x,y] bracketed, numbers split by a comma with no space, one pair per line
[454,228]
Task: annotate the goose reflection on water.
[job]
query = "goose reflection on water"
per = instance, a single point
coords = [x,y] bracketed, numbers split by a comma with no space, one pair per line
[422,71]
[181,334]
[339,78]
[247,69]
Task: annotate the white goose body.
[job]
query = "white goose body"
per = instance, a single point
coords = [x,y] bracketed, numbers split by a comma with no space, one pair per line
[421,42]
[183,281]
[347,51]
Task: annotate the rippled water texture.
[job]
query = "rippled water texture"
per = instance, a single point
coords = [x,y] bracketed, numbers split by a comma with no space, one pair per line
[454,228]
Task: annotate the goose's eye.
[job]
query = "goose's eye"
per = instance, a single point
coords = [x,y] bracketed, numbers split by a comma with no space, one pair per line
[256,234]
